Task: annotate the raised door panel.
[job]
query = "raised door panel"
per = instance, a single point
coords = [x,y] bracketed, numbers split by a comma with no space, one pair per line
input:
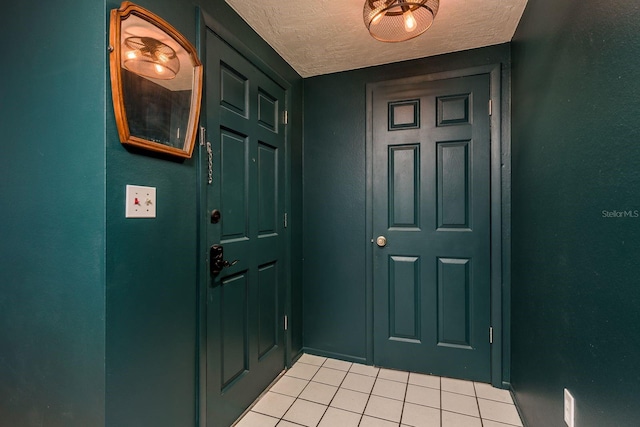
[234,325]
[234,90]
[234,186]
[267,110]
[267,189]
[454,302]
[267,308]
[405,309]
[404,186]
[454,186]
[453,110]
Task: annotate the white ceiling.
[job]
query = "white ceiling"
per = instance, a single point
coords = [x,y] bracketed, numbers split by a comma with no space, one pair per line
[325,36]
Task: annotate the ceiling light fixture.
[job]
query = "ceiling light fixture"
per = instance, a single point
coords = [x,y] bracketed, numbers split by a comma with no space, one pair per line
[399,20]
[149,57]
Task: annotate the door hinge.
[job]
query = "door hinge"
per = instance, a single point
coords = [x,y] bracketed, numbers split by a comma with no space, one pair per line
[491,335]
[286,220]
[286,322]
[203,135]
[285,117]
[490,107]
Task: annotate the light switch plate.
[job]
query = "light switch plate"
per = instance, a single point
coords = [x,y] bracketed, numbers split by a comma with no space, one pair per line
[140,202]
[569,409]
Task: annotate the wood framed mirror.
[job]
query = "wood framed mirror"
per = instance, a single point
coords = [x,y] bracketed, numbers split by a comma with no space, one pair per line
[156,82]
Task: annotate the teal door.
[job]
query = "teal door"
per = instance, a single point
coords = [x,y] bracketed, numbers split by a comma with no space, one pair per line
[431,226]
[245,300]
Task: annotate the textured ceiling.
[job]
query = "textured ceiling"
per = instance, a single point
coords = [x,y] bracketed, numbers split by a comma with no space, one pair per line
[325,36]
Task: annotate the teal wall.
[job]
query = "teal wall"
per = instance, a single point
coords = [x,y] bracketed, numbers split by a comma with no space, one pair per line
[335,237]
[152,269]
[576,127]
[152,277]
[99,314]
[52,214]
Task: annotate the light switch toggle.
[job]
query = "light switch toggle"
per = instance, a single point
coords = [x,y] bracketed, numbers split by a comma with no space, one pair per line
[140,202]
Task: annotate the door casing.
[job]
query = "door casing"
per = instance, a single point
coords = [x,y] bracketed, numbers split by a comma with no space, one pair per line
[499,219]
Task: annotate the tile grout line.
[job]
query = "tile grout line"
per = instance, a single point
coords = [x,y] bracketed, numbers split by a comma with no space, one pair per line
[475,391]
[296,398]
[369,395]
[339,387]
[310,381]
[441,408]
[404,401]
[337,390]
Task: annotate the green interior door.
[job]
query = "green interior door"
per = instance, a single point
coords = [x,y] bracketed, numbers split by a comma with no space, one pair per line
[431,202]
[245,301]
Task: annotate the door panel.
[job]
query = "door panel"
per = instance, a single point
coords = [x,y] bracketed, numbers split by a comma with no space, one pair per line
[267,309]
[234,326]
[234,186]
[267,189]
[234,90]
[245,302]
[404,293]
[453,184]
[454,303]
[404,194]
[431,181]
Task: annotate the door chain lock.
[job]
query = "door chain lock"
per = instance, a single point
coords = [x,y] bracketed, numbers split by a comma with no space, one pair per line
[209,163]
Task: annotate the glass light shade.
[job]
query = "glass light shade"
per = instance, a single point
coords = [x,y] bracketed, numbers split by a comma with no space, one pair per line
[399,20]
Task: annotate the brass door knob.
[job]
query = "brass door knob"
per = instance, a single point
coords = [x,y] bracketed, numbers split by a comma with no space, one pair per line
[381,241]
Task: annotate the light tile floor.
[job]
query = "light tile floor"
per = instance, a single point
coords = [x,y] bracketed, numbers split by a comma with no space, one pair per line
[321,392]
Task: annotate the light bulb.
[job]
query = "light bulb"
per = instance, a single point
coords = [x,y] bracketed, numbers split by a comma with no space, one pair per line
[131,54]
[410,23]
[159,68]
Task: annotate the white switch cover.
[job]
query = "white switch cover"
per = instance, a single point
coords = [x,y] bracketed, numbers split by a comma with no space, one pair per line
[140,202]
[569,409]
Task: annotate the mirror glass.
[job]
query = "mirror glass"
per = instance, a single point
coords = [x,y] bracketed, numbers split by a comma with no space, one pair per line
[158,82]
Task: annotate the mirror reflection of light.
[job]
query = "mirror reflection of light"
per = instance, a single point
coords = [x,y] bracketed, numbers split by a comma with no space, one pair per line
[162,57]
[159,68]
[131,54]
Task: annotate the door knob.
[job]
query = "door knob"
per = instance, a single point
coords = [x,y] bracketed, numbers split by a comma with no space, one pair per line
[381,241]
